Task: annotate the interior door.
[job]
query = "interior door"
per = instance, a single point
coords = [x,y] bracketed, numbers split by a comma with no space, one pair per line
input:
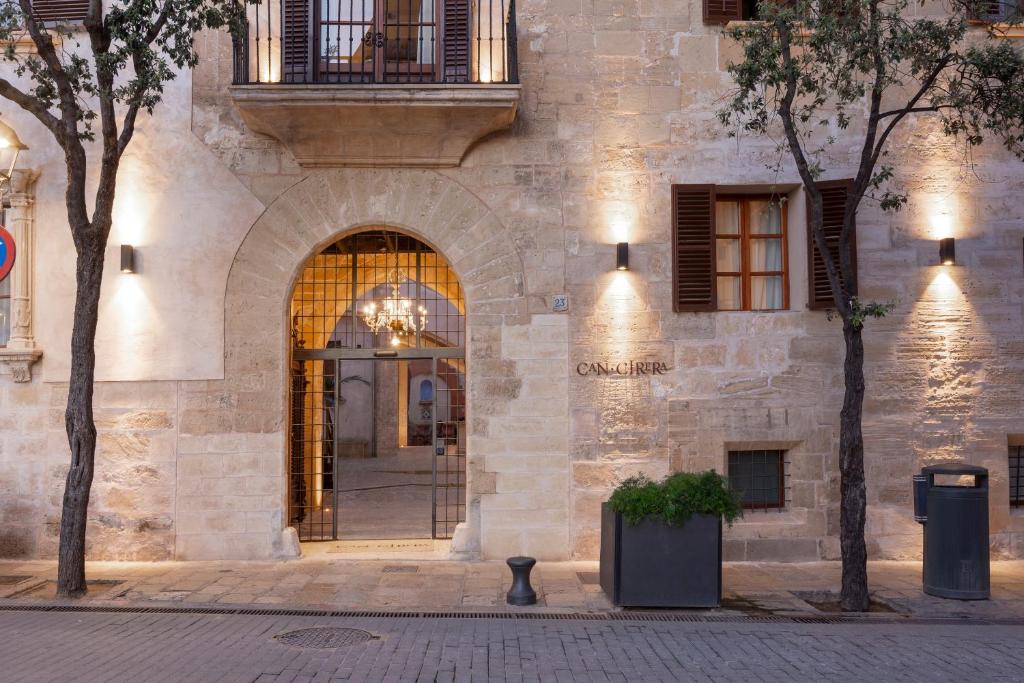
[348,41]
[410,40]
[378,41]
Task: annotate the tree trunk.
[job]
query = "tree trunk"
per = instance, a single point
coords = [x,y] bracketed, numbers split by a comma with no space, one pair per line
[853,502]
[78,418]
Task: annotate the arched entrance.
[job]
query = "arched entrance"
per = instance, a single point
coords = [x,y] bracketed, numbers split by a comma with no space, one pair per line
[377,392]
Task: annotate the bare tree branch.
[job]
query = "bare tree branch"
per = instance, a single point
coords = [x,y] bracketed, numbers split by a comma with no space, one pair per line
[33,106]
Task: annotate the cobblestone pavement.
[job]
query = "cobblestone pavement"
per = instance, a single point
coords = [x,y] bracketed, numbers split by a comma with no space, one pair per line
[403,584]
[96,646]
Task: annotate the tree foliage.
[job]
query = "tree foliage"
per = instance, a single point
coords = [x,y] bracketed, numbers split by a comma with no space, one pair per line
[817,72]
[818,75]
[124,57]
[88,87]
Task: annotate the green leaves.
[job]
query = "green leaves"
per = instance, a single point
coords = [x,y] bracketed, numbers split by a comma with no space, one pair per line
[676,498]
[844,74]
[125,56]
[839,54]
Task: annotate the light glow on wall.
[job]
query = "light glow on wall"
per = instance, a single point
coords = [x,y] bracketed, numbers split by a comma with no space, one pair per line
[940,212]
[136,326]
[620,220]
[620,303]
[943,288]
[132,208]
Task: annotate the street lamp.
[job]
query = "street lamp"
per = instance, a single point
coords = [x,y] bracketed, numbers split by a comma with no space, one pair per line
[10,147]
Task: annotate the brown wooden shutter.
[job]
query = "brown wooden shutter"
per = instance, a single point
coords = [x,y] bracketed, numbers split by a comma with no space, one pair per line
[456,41]
[722,11]
[296,29]
[833,204]
[73,11]
[693,244]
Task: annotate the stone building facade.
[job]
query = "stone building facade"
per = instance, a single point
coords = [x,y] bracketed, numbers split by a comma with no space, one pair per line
[615,104]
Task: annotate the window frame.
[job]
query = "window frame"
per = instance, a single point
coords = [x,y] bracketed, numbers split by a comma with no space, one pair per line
[780,502]
[1007,11]
[745,238]
[1015,452]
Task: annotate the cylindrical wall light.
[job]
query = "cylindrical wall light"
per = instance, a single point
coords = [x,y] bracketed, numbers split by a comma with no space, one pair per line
[127,258]
[622,256]
[947,251]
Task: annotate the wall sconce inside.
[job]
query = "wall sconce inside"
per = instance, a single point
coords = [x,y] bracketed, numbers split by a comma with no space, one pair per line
[127,258]
[947,251]
[622,256]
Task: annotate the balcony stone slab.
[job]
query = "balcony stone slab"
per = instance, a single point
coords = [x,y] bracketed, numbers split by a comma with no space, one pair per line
[330,125]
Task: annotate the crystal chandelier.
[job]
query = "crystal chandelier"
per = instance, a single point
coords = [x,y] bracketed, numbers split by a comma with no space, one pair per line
[395,313]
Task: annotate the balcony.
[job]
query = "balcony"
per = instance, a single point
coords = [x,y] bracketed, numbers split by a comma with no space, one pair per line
[377,82]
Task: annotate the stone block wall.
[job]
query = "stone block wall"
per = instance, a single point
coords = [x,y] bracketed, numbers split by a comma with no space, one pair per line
[618,103]
[133,503]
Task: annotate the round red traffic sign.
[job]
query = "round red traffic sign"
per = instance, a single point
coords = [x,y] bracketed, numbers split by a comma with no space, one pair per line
[7,253]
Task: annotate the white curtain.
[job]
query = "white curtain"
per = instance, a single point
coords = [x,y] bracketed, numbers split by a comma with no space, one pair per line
[766,292]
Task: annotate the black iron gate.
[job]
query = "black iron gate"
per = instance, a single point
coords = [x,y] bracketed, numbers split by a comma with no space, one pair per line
[377,408]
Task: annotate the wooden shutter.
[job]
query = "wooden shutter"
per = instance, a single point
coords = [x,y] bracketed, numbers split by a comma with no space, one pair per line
[833,204]
[73,11]
[295,44]
[693,244]
[722,11]
[456,41]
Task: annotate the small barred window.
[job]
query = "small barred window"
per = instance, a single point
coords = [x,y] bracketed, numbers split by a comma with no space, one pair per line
[759,476]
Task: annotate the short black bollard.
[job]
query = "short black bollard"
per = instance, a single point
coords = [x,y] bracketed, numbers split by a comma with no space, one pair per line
[521,593]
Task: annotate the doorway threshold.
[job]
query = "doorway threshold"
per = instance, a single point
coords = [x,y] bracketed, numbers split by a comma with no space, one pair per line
[383,549]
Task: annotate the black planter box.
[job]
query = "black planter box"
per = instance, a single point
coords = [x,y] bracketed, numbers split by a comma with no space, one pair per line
[653,564]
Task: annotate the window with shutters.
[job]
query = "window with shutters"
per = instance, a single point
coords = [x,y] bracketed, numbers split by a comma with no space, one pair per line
[995,11]
[377,41]
[61,11]
[724,11]
[730,250]
[833,199]
[750,253]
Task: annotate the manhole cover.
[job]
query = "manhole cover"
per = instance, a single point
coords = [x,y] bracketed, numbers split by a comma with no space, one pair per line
[325,638]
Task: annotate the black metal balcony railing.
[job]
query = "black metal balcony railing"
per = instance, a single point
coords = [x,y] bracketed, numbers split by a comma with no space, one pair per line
[378,41]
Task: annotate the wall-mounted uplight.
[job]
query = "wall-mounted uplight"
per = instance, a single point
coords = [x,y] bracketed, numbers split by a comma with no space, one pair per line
[947,251]
[127,258]
[622,256]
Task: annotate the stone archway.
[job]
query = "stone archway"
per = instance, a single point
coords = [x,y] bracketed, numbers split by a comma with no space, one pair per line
[298,224]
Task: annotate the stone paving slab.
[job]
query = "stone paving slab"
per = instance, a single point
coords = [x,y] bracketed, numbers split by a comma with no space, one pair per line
[83,647]
[395,584]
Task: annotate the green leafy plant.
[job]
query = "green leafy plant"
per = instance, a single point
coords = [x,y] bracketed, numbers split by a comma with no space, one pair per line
[676,497]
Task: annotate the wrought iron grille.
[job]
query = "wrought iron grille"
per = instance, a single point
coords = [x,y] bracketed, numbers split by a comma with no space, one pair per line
[377,41]
[759,476]
[1016,476]
[378,447]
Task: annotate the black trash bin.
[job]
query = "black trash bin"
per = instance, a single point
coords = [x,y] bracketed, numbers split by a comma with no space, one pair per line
[955,518]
